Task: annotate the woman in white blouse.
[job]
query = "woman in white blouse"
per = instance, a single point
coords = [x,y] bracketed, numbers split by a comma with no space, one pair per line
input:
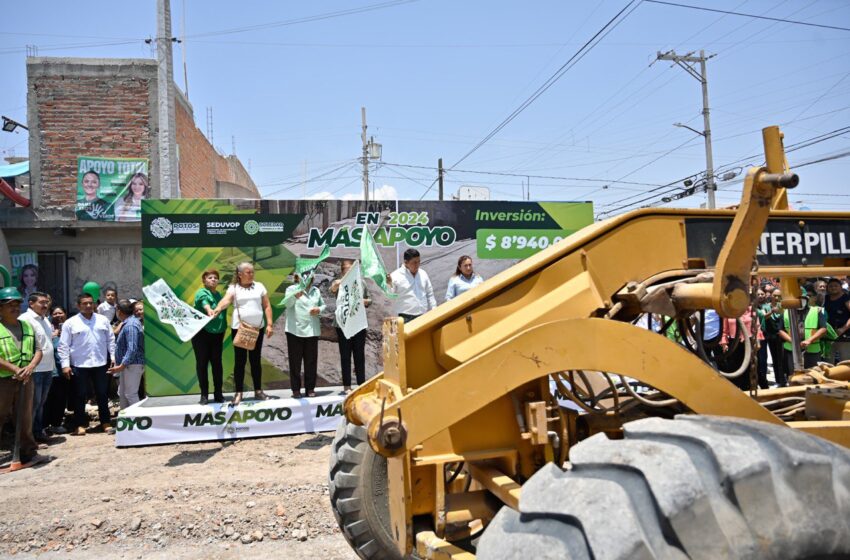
[251,305]
[464,278]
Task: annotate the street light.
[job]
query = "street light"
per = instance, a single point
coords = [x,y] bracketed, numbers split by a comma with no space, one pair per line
[709,165]
[681,125]
[10,125]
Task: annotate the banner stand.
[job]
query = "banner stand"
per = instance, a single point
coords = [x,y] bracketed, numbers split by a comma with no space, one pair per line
[180,419]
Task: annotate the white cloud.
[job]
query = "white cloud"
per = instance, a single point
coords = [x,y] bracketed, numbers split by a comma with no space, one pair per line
[324,195]
[384,192]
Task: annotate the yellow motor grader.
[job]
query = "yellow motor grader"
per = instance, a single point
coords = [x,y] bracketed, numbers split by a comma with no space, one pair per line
[541,415]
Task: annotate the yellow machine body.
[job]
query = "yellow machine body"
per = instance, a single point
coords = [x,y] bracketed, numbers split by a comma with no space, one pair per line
[469,382]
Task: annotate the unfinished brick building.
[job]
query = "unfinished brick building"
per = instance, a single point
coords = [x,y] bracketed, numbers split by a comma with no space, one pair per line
[105,108]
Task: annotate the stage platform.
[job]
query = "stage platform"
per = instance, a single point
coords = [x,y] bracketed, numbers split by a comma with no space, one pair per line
[158,420]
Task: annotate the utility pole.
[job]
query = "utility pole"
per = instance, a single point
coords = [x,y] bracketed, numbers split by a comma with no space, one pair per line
[365,156]
[168,180]
[183,49]
[686,62]
[440,175]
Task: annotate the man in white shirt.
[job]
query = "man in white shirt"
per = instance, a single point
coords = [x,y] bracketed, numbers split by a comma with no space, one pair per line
[415,293]
[107,308]
[43,375]
[85,345]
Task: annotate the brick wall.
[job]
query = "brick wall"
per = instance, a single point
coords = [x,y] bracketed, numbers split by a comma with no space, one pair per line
[108,108]
[92,108]
[201,166]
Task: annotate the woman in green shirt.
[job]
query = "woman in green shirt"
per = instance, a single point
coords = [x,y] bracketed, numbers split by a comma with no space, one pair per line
[208,343]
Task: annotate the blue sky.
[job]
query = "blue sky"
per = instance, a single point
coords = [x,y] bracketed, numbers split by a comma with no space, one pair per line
[437,76]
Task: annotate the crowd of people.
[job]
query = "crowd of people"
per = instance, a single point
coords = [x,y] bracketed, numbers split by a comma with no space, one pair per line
[765,328]
[97,353]
[51,362]
[303,306]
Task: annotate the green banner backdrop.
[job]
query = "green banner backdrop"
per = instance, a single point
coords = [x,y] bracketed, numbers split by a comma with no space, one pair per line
[182,238]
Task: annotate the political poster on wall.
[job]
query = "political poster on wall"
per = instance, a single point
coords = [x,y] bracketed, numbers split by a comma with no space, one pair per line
[25,274]
[111,189]
[183,238]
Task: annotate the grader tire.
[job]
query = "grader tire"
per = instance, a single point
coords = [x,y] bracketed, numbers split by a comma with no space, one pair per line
[691,488]
[358,490]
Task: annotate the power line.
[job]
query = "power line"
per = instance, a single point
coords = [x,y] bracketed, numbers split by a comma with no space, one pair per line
[704,9]
[306,19]
[311,179]
[523,175]
[692,190]
[575,58]
[821,160]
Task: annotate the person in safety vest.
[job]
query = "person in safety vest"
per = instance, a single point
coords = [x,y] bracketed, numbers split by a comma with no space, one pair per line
[20,353]
[812,328]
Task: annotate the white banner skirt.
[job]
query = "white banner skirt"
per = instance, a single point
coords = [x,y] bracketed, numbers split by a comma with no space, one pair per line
[143,424]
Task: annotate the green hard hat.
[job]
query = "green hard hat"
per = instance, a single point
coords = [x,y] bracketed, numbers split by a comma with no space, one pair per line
[92,289]
[10,293]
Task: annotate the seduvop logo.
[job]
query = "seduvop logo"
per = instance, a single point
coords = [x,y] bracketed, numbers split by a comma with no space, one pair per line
[161,228]
[251,227]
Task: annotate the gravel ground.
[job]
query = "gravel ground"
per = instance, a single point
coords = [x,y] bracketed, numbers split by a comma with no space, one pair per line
[174,501]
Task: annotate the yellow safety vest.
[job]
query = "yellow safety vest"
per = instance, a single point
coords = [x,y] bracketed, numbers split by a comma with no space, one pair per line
[810,325]
[10,352]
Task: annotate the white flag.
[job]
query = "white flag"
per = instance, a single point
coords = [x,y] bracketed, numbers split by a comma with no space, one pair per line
[350,311]
[185,319]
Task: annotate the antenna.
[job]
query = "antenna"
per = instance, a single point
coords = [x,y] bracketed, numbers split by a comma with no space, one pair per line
[210,124]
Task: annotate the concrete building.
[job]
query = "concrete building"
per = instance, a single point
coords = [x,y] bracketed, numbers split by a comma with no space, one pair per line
[105,108]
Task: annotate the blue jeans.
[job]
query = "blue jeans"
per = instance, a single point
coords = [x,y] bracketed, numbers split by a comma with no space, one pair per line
[41,386]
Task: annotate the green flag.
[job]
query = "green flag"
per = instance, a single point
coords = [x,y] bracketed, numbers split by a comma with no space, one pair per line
[371,263]
[307,266]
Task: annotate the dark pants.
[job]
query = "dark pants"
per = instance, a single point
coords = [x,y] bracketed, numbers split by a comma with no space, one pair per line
[240,356]
[761,365]
[408,318]
[57,401]
[304,349]
[79,385]
[208,348]
[810,360]
[355,346]
[9,393]
[777,356]
[731,361]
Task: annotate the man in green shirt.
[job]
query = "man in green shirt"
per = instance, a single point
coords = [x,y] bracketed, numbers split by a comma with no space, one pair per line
[20,353]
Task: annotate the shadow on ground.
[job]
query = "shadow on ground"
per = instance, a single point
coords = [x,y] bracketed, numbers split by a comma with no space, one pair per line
[316,442]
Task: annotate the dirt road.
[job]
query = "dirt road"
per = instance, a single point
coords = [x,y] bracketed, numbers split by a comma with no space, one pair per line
[175,501]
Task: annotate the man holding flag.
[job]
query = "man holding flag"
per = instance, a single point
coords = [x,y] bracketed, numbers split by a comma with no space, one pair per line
[413,287]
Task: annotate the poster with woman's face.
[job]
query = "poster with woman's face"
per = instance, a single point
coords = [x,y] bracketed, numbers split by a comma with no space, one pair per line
[25,273]
[111,189]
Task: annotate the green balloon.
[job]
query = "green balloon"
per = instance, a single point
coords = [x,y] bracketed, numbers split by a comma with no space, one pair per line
[92,289]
